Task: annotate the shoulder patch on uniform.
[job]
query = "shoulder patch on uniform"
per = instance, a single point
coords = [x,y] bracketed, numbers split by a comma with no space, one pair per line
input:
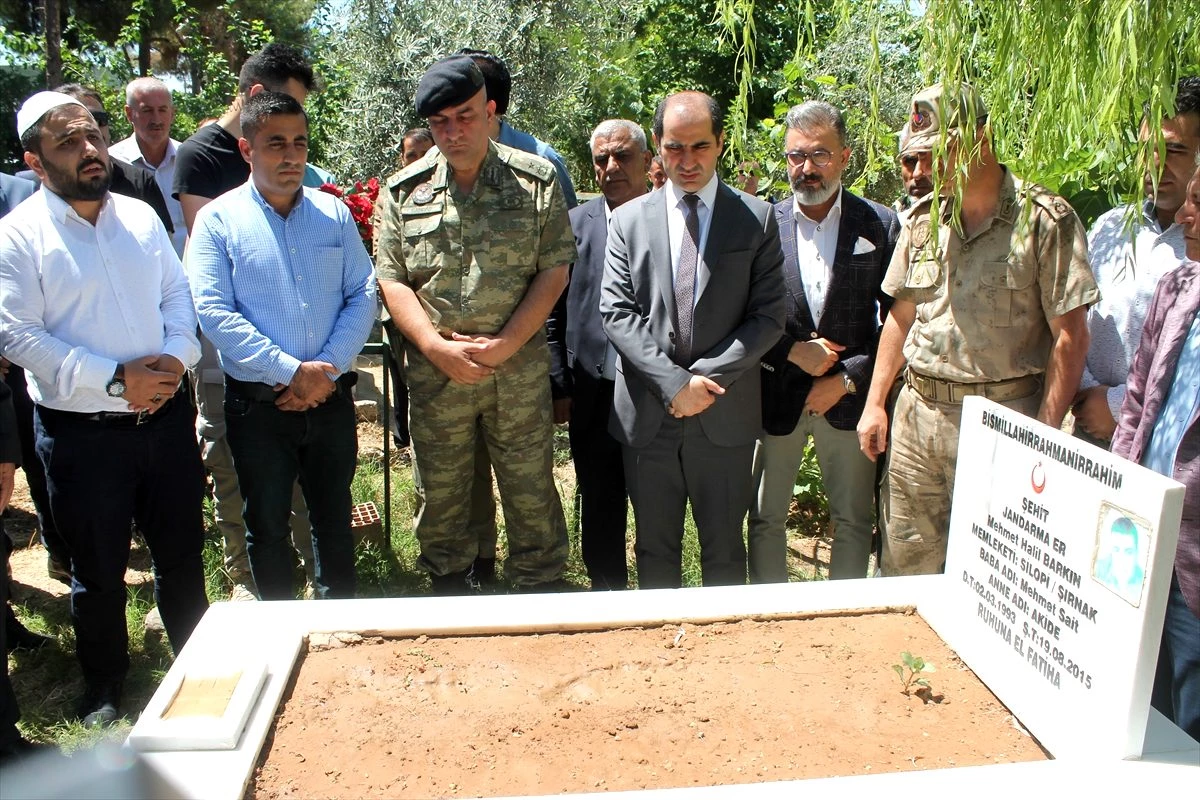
[1041,196]
[528,163]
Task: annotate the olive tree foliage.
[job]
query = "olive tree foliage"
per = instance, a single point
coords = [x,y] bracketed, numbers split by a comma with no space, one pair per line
[1066,84]
[570,60]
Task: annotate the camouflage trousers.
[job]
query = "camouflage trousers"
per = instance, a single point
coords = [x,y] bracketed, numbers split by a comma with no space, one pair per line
[918,481]
[511,410]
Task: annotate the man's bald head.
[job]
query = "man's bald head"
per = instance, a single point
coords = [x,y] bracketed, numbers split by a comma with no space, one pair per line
[689,106]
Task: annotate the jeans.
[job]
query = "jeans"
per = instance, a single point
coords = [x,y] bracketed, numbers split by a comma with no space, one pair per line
[271,448]
[1176,692]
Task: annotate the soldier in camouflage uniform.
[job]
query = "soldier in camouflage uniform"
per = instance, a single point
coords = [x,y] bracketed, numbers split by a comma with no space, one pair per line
[473,249]
[991,301]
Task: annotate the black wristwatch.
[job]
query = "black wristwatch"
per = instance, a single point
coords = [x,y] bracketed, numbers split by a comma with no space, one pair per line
[116,386]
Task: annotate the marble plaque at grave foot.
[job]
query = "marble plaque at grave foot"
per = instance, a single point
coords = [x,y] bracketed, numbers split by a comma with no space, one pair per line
[204,708]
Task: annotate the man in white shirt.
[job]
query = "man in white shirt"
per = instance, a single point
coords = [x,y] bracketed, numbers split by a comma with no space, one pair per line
[1128,261]
[150,110]
[836,250]
[95,306]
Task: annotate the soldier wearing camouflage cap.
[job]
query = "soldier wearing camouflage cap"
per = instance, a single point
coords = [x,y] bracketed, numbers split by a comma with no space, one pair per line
[473,247]
[994,303]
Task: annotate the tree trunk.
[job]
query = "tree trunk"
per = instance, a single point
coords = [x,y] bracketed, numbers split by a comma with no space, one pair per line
[144,45]
[54,68]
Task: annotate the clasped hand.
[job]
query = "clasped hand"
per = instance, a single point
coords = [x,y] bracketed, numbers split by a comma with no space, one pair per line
[699,393]
[310,386]
[150,381]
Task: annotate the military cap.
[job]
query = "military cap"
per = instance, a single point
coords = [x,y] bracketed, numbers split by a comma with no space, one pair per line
[448,82]
[940,106]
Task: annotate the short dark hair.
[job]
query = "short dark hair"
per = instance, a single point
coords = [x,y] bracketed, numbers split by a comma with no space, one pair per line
[715,114]
[418,133]
[274,66]
[31,139]
[79,91]
[263,106]
[1187,95]
[497,80]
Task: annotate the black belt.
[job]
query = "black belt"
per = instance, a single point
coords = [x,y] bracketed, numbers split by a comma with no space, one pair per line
[262,393]
[109,419]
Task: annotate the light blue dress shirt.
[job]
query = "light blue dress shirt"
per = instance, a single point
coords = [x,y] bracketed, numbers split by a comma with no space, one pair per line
[1179,408]
[272,292]
[531,144]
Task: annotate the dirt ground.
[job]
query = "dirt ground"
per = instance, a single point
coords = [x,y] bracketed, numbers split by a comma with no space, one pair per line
[628,709]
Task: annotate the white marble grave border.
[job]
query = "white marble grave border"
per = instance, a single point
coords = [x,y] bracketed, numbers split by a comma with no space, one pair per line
[275,632]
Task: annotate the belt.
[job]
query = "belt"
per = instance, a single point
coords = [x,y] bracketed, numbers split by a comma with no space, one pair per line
[262,393]
[109,419]
[940,391]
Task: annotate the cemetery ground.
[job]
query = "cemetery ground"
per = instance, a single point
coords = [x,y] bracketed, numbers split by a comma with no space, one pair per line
[48,683]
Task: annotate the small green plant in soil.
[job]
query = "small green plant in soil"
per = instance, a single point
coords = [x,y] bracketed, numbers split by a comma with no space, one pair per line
[909,671]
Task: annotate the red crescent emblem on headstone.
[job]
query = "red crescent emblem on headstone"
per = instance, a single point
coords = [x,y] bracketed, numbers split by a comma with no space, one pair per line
[1037,478]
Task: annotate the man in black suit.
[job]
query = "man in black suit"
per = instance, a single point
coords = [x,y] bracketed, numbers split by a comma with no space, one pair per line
[692,298]
[836,249]
[587,361]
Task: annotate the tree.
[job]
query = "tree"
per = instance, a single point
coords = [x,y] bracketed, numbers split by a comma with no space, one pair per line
[560,53]
[1065,83]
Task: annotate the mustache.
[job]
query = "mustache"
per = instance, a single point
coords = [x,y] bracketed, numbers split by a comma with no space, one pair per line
[89,162]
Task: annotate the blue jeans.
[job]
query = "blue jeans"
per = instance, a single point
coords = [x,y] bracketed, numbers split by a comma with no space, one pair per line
[271,448]
[1176,692]
[101,476]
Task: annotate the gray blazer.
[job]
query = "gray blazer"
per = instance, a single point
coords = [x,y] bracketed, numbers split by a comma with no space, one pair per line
[738,315]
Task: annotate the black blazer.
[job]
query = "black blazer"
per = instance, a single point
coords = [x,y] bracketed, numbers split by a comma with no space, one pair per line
[577,339]
[855,308]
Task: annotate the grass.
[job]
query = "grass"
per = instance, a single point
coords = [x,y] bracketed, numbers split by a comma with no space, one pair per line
[48,683]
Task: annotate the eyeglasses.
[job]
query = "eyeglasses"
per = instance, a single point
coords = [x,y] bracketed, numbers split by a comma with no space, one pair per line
[101,117]
[819,158]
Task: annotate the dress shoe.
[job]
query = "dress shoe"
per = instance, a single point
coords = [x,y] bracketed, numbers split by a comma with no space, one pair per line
[57,570]
[101,705]
[18,637]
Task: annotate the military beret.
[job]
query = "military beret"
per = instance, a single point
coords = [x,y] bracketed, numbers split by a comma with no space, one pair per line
[939,106]
[448,82]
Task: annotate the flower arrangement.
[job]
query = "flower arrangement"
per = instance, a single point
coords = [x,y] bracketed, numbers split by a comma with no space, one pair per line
[361,202]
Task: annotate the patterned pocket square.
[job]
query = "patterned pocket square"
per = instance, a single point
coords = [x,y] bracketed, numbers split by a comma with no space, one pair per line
[863,246]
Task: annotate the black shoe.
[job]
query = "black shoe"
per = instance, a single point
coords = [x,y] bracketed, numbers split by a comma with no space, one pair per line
[484,569]
[456,583]
[101,705]
[18,637]
[57,570]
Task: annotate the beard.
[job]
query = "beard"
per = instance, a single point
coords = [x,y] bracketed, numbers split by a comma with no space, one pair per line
[68,184]
[814,195]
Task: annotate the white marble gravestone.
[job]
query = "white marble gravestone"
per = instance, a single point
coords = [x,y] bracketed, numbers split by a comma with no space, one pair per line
[1060,558]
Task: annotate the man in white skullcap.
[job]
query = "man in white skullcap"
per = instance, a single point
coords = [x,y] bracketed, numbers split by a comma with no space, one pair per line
[96,308]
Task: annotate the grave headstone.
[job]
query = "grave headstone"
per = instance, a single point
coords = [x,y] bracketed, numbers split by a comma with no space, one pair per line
[1059,562]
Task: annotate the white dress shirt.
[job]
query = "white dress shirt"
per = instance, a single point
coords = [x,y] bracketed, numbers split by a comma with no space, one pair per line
[816,248]
[1128,263]
[128,151]
[676,225]
[76,300]
[608,370]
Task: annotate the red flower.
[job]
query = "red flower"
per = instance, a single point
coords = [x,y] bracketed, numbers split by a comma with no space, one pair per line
[361,202]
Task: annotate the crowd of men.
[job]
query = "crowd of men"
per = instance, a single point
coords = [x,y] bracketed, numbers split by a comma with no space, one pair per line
[691,335]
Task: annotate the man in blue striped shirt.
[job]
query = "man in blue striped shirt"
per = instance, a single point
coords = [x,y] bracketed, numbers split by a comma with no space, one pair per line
[285,291]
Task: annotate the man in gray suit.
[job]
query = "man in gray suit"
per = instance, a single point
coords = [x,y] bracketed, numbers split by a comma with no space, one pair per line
[692,298]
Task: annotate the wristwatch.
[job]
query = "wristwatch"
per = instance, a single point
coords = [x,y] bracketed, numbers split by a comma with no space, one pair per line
[116,386]
[849,384]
